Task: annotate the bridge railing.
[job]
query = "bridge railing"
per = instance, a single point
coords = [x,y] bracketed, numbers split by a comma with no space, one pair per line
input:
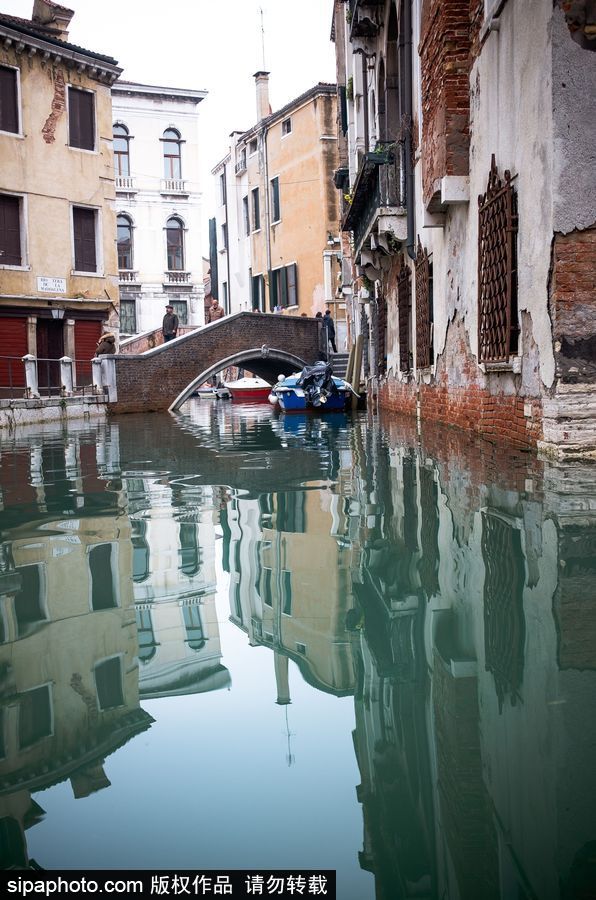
[147,340]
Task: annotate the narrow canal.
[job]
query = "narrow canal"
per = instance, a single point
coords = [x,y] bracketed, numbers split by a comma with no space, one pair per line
[236,640]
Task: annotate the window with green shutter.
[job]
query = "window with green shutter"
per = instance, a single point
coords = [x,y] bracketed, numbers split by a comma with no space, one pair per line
[81,119]
[275,203]
[83,224]
[9,107]
[292,279]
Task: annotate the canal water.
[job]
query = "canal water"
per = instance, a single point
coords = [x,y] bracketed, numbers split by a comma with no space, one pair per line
[230,639]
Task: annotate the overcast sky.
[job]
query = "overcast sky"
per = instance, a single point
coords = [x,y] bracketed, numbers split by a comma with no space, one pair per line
[212,45]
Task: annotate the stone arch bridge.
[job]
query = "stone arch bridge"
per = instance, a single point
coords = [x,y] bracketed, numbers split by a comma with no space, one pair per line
[164,377]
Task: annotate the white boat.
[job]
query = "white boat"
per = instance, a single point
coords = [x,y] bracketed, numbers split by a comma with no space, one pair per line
[249,390]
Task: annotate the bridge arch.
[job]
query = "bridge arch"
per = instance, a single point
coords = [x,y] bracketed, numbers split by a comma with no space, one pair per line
[160,378]
[266,362]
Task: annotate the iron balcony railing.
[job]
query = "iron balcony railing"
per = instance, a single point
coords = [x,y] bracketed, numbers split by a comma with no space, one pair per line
[379,189]
[354,4]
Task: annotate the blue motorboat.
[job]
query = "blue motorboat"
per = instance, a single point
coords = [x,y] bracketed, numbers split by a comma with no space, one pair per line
[315,387]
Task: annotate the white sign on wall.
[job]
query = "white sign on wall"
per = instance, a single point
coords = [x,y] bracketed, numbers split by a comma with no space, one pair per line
[51,285]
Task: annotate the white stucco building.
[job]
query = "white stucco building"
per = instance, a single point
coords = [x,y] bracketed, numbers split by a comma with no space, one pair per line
[158,204]
[233,229]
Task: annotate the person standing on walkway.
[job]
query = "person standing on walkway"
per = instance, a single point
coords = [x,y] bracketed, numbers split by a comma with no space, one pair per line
[329,326]
[106,344]
[169,326]
[216,312]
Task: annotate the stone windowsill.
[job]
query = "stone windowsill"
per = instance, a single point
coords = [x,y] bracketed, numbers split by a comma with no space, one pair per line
[513,365]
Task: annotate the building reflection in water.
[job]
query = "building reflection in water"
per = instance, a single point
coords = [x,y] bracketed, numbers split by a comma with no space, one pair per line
[173,540]
[68,650]
[474,635]
[81,641]
[449,587]
[289,584]
[463,579]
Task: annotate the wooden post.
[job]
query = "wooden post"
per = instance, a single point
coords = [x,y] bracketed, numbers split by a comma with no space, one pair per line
[357,367]
[350,366]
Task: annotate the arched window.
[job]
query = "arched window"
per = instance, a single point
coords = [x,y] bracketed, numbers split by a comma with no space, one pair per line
[124,232]
[189,553]
[146,635]
[195,636]
[121,151]
[172,160]
[175,244]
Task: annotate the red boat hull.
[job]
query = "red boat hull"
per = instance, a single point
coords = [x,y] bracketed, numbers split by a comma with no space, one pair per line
[250,395]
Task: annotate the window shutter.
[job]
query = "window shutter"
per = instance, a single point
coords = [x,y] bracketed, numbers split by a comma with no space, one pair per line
[284,287]
[10,231]
[292,276]
[81,119]
[343,109]
[9,113]
[84,239]
[272,289]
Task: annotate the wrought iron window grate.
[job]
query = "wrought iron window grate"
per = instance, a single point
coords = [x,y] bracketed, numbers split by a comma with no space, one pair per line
[424,309]
[404,307]
[498,327]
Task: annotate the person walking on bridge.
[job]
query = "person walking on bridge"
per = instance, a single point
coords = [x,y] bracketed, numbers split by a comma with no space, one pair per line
[216,312]
[170,323]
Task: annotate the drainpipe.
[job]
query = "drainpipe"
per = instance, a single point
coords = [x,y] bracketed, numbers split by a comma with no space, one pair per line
[410,212]
[229,297]
[264,133]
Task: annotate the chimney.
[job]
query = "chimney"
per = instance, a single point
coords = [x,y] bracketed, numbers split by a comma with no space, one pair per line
[263,105]
[280,664]
[52,16]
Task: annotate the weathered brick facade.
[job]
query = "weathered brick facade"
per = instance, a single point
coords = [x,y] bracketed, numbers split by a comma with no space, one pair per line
[445,46]
[573,304]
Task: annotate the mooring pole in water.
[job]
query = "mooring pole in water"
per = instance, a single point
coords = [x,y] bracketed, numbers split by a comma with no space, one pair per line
[357,367]
[350,366]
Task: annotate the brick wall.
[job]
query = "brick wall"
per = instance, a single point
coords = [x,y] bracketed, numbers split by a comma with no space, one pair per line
[573,304]
[153,381]
[486,405]
[445,56]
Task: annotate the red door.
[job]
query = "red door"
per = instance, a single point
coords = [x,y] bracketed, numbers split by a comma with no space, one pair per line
[13,346]
[87,335]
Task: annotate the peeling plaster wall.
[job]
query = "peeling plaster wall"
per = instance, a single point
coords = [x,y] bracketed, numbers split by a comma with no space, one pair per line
[574,130]
[510,116]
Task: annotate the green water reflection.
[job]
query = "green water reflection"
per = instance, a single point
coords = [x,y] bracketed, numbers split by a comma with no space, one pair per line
[232,640]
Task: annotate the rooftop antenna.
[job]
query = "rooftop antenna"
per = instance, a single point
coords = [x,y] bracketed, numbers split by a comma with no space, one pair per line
[262,36]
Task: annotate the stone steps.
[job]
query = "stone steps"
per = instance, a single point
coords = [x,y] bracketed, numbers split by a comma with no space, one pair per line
[339,362]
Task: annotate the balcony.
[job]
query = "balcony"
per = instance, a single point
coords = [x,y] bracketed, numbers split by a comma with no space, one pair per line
[128,277]
[125,184]
[176,277]
[378,198]
[365,18]
[175,186]
[240,166]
